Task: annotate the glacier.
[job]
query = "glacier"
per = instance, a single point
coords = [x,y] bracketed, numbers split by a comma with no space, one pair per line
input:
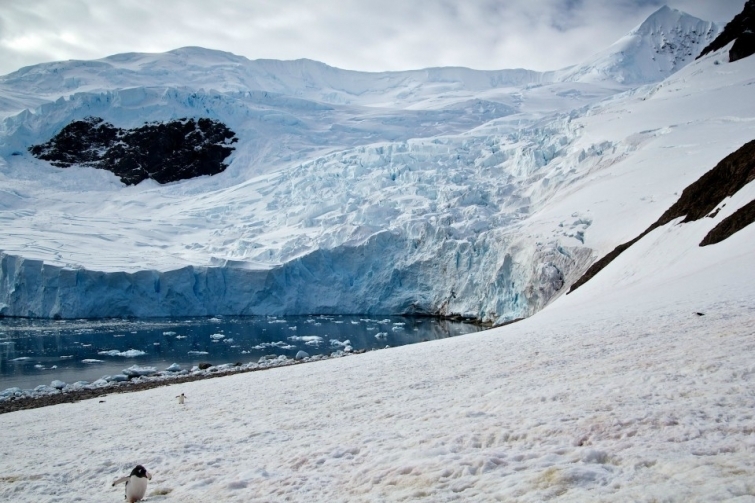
[447,191]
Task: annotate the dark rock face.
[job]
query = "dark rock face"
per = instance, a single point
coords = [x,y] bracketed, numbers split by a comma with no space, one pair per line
[741,29]
[165,152]
[737,221]
[698,200]
[743,47]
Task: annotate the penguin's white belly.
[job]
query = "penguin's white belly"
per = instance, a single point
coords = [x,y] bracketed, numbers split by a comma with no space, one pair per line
[136,488]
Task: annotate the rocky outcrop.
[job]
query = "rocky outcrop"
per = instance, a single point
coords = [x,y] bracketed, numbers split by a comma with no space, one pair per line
[741,31]
[164,152]
[735,222]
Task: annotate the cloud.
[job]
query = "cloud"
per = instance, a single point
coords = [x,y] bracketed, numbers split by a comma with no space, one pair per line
[372,35]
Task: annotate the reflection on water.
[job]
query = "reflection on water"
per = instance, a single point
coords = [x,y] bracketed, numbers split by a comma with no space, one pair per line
[34,352]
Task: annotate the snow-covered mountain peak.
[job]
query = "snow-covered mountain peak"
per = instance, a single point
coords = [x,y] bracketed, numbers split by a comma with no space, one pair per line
[664,20]
[665,42]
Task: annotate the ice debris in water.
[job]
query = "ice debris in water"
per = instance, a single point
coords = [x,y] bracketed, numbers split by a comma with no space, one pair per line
[131,353]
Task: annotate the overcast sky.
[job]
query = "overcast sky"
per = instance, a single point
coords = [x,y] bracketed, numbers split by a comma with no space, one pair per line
[371,35]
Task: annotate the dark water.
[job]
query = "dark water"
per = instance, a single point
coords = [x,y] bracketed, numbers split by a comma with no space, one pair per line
[34,352]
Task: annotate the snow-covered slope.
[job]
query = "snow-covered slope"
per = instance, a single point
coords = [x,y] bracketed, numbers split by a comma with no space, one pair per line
[203,69]
[665,42]
[445,191]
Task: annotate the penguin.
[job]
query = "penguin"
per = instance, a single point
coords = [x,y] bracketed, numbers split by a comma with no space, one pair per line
[136,483]
[181,398]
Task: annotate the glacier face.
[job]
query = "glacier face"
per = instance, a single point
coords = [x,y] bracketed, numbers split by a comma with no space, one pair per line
[441,191]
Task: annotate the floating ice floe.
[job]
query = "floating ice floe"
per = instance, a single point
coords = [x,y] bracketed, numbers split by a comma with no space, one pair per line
[91,360]
[199,353]
[174,368]
[217,337]
[381,335]
[58,384]
[312,340]
[336,342]
[131,353]
[278,344]
[169,333]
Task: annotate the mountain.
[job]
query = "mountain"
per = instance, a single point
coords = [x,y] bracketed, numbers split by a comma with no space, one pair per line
[207,69]
[440,191]
[665,42]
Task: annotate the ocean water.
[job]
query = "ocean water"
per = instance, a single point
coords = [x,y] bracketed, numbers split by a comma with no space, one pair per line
[34,352]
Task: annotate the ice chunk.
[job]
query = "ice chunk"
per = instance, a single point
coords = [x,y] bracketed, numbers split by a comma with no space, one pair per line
[131,353]
[57,384]
[44,389]
[137,371]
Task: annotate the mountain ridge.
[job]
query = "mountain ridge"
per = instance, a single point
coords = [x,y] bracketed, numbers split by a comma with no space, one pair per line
[321,82]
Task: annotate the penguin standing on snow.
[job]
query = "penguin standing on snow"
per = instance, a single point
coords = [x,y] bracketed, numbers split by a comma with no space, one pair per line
[136,484]
[181,399]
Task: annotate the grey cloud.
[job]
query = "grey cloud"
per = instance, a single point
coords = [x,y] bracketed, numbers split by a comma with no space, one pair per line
[369,35]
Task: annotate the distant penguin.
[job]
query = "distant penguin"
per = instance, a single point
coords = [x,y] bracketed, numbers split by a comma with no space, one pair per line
[181,398]
[136,484]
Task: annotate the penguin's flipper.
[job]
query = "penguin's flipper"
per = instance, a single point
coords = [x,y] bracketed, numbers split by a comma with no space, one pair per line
[120,480]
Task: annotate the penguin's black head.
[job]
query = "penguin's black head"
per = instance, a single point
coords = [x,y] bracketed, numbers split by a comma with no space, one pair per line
[139,471]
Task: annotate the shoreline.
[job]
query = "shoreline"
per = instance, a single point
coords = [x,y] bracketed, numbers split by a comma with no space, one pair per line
[25,402]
